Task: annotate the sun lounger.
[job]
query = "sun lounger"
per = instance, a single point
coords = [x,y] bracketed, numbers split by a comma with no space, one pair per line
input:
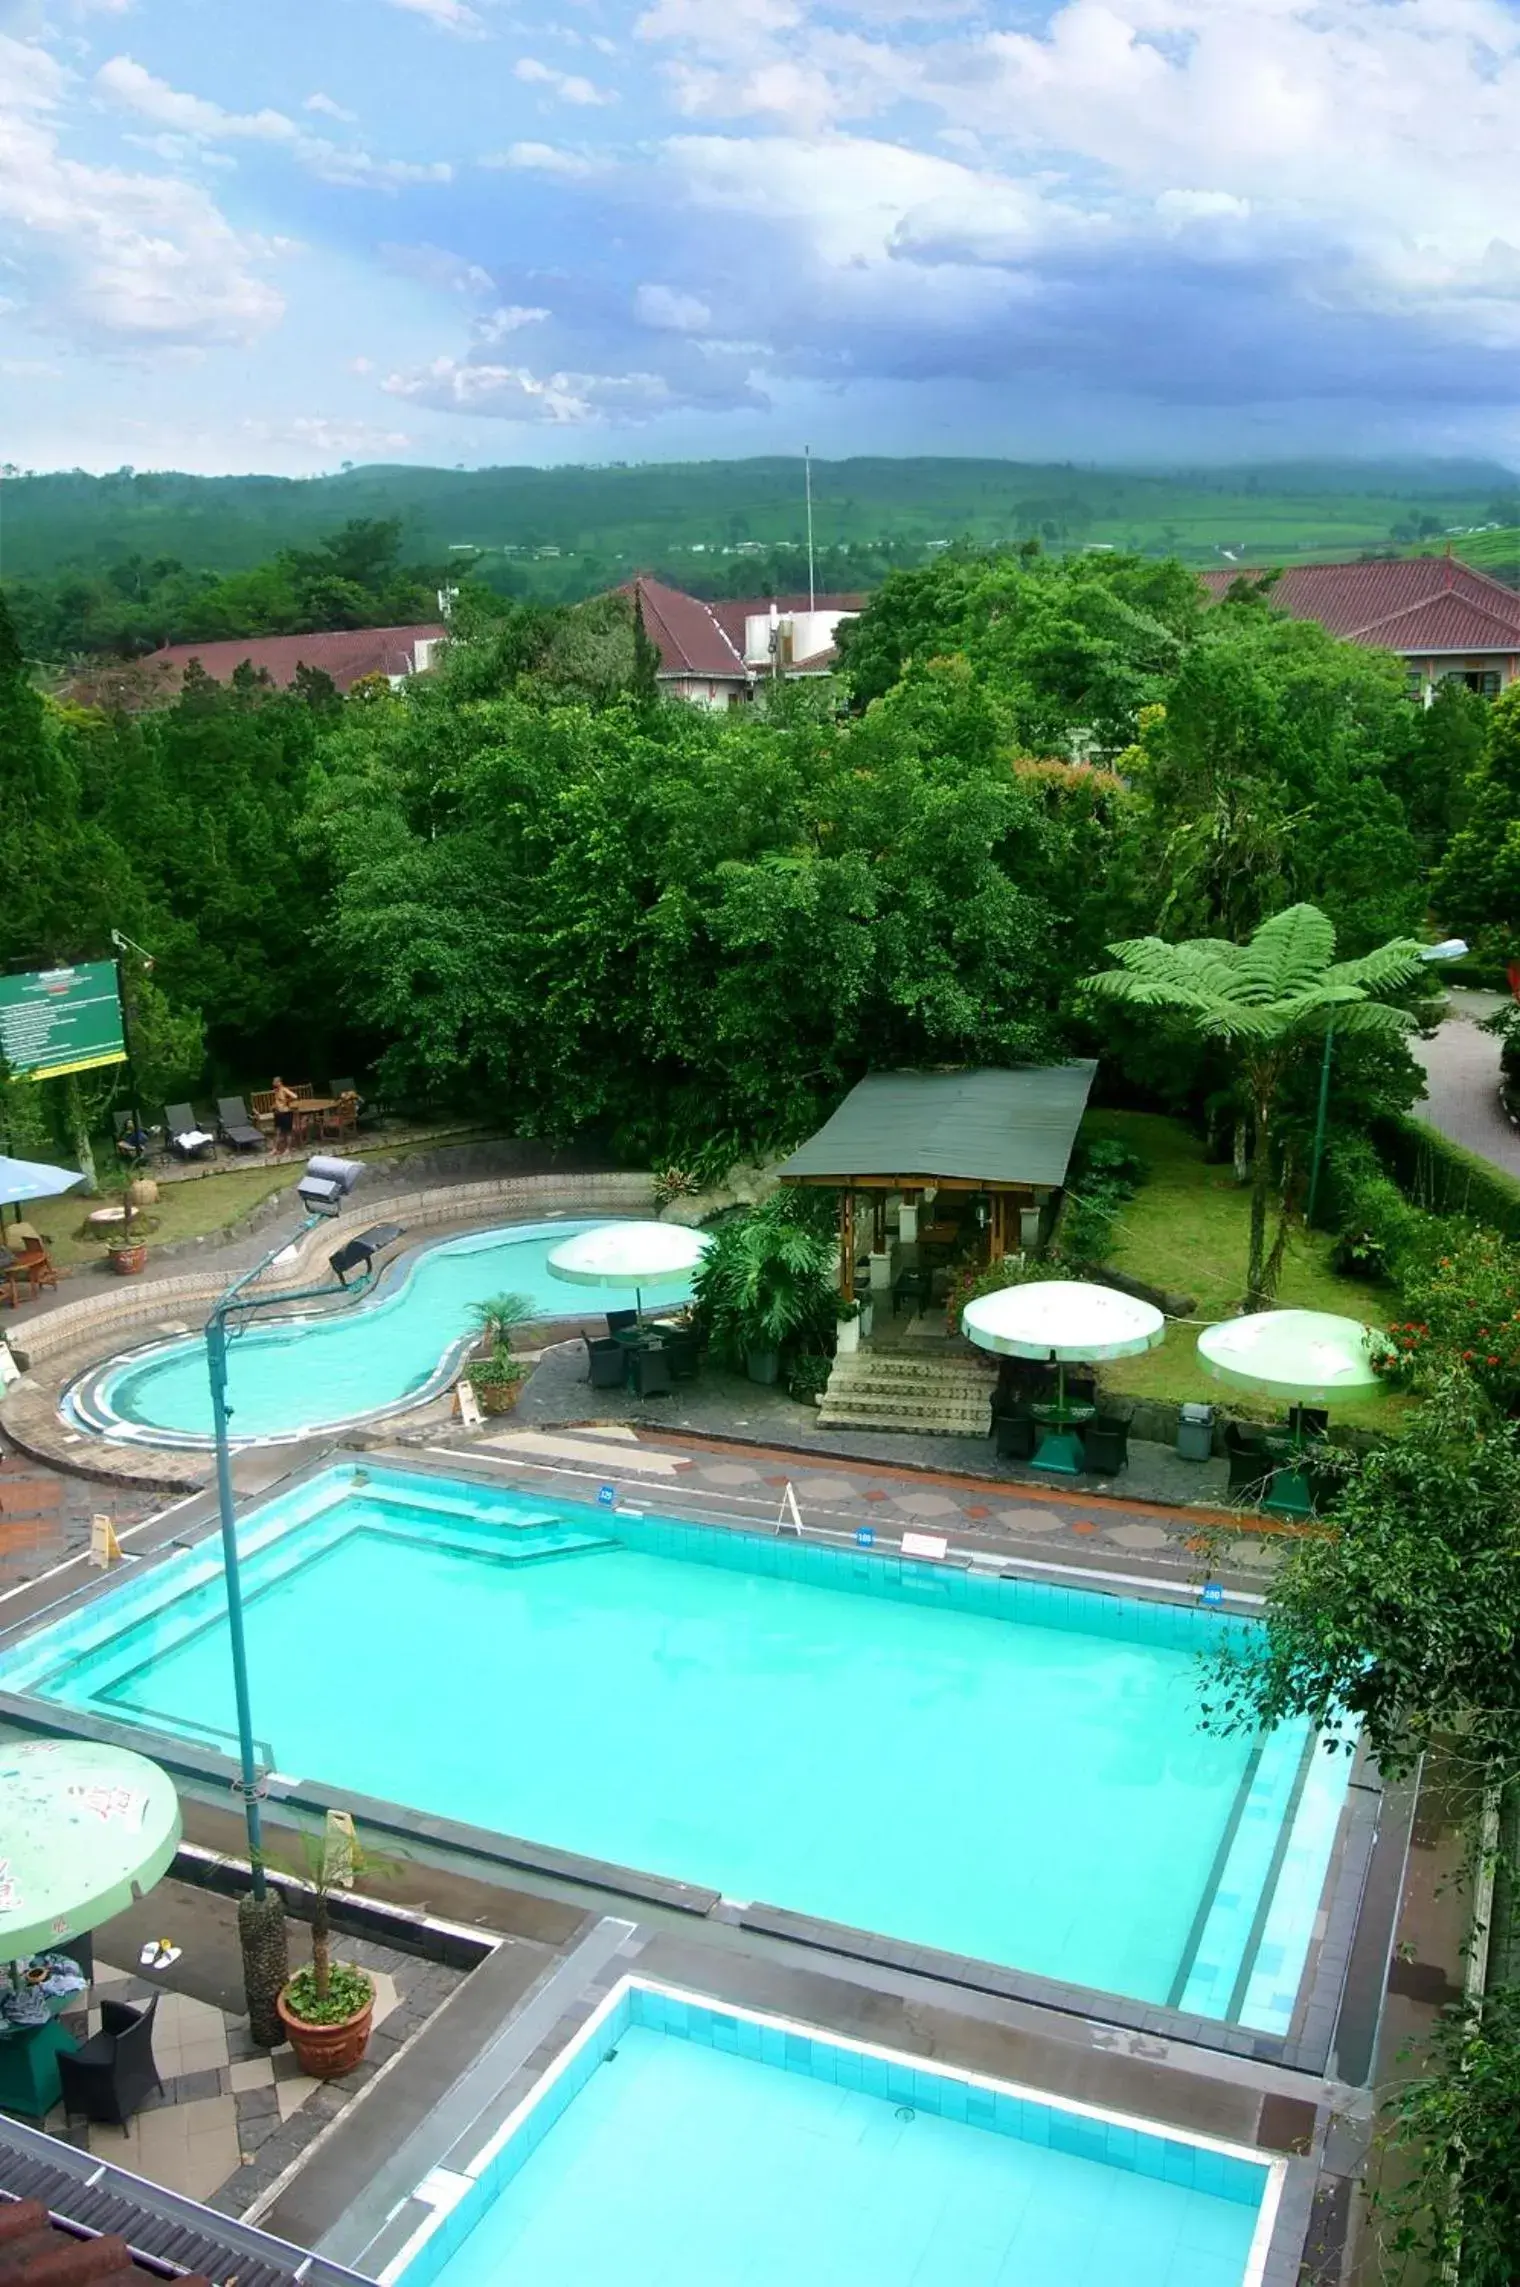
[186,1135]
[236,1126]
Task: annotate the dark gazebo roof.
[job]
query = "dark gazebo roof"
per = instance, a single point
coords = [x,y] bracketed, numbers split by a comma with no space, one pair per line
[1003,1129]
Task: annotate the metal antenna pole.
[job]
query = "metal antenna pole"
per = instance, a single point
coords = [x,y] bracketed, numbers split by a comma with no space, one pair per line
[807,471]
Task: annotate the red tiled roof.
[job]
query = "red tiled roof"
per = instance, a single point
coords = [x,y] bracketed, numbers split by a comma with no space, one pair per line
[345,654]
[37,2252]
[685,633]
[1409,604]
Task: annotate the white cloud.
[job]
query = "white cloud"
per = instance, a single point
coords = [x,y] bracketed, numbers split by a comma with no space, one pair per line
[128,84]
[112,256]
[509,319]
[543,159]
[669,311]
[567,85]
[329,109]
[328,439]
[448,15]
[514,393]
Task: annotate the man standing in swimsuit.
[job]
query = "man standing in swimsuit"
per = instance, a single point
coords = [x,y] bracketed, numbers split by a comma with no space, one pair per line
[284,1117]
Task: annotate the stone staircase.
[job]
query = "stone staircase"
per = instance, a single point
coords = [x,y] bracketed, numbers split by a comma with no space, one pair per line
[909,1390]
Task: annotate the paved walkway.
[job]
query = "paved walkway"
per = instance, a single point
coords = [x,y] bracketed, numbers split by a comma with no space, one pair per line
[1462,1083]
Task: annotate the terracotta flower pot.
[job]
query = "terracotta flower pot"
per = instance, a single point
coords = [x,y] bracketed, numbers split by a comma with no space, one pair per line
[325,2051]
[129,1259]
[498,1397]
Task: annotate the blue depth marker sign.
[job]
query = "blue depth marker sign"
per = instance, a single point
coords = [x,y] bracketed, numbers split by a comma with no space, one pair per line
[865,1537]
[607,1495]
[1213,1593]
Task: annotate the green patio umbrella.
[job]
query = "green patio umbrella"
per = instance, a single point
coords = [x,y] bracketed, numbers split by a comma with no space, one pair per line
[1293,1353]
[85,1830]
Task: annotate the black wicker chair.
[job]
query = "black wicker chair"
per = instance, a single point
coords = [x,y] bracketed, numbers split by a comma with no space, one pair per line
[607,1364]
[1250,1462]
[649,1370]
[683,1349]
[1105,1445]
[107,2078]
[1015,1434]
[618,1321]
[1309,1421]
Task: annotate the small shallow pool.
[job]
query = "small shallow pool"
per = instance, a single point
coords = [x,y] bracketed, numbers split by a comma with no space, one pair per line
[989,1766]
[680,2144]
[394,1347]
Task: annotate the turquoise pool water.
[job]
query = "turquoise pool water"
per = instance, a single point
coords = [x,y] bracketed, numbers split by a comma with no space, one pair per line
[295,1377]
[996,1768]
[688,2146]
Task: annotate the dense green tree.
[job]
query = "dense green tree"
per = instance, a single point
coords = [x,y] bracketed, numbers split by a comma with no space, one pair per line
[1268,1003]
[1477,887]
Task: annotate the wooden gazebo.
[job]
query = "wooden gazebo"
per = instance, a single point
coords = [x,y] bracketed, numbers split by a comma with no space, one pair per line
[1006,1134]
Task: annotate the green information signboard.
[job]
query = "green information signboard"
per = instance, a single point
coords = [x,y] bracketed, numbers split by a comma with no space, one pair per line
[60,1020]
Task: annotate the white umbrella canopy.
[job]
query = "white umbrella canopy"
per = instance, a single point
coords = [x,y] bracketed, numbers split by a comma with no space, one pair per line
[1293,1353]
[1064,1320]
[84,1830]
[628,1255]
[34,1179]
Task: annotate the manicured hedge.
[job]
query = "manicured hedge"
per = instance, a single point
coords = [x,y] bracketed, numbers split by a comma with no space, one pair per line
[1441,1177]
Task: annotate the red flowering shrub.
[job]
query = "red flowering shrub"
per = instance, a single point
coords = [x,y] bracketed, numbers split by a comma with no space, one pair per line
[1463,1308]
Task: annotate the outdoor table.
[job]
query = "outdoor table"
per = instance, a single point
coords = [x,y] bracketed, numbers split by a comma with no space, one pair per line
[1310,1355]
[629,1256]
[85,1831]
[311,1108]
[1063,1322]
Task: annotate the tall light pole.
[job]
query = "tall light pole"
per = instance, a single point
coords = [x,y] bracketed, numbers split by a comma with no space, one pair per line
[1449,949]
[322,1190]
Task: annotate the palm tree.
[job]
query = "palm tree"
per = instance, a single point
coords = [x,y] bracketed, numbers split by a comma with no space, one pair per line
[1266,1001]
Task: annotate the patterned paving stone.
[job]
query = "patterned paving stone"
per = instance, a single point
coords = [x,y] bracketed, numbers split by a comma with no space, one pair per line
[926,1504]
[1259,1554]
[826,1488]
[1137,1536]
[727,1473]
[1030,1520]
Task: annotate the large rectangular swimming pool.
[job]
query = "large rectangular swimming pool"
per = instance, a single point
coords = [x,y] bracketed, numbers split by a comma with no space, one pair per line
[996,1768]
[679,2144]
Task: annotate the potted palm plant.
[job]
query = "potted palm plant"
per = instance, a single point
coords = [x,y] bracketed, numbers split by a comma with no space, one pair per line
[494,1374]
[327,2008]
[765,1287]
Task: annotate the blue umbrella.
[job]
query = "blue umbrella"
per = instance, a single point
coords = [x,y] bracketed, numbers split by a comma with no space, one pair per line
[34,1179]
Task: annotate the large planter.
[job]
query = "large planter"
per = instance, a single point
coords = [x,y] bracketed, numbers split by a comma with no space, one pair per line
[497,1397]
[847,1337]
[763,1366]
[129,1258]
[326,2051]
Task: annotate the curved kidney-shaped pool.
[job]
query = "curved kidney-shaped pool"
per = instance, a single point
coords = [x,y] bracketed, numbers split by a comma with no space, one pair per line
[295,1377]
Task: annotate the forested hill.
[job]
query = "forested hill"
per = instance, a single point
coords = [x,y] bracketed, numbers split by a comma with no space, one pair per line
[566,531]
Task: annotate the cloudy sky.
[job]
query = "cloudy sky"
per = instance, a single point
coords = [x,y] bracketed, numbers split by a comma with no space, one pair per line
[284,233]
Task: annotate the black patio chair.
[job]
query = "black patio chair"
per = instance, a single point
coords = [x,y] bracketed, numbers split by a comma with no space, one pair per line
[607,1363]
[913,1287]
[1309,1421]
[1105,1445]
[1015,1434]
[109,2075]
[1081,1389]
[649,1370]
[618,1321]
[683,1350]
[180,1121]
[236,1124]
[1250,1462]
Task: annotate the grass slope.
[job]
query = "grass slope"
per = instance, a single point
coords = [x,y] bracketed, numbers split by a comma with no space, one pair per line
[601,521]
[1187,1229]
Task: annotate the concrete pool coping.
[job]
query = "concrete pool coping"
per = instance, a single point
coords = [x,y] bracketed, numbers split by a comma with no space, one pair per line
[1335,2007]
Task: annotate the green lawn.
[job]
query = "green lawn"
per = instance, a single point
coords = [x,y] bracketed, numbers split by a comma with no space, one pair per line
[1186,1229]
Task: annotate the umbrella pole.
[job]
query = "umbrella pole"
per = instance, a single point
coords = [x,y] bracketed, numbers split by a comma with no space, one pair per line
[1061,1386]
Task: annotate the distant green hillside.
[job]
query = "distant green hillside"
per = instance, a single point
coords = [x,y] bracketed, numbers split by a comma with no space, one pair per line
[568,530]
[1496,550]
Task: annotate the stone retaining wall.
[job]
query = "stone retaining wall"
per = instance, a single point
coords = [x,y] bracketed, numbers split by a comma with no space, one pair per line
[520,1199]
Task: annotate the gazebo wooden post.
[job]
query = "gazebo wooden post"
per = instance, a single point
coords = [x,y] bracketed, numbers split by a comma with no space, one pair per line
[998,1243]
[847,1245]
